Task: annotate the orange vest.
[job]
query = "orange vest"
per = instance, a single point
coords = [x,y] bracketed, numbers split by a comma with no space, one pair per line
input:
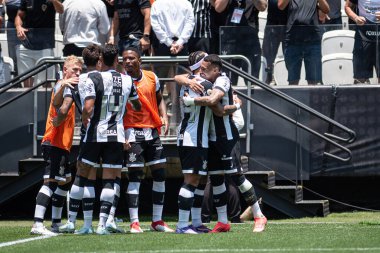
[148,117]
[62,136]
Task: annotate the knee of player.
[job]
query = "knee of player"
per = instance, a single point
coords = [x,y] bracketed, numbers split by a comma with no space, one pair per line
[158,174]
[135,175]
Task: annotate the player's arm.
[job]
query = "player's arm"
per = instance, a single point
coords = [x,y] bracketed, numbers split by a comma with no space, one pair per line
[212,100]
[63,111]
[136,104]
[191,83]
[221,111]
[88,109]
[162,111]
[58,97]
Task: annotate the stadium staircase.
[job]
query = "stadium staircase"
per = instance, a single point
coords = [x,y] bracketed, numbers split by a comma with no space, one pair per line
[285,198]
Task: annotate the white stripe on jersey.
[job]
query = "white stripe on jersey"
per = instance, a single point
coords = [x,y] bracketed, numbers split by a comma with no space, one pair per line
[187,132]
[131,133]
[223,83]
[116,89]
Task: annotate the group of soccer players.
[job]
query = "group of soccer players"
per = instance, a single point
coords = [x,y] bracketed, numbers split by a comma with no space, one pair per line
[116,132]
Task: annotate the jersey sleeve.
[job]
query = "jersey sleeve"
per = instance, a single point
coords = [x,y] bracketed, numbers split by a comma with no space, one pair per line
[157,81]
[56,88]
[89,89]
[222,83]
[67,92]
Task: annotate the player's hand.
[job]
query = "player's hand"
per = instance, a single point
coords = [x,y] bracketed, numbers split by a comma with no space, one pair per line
[55,122]
[187,100]
[195,85]
[165,123]
[126,145]
[70,82]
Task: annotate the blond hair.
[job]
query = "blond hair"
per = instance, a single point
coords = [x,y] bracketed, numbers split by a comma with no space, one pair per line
[72,60]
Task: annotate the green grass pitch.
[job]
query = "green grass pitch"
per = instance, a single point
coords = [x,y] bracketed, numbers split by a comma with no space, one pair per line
[343,232]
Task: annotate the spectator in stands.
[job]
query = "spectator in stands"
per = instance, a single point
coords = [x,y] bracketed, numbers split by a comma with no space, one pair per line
[2,14]
[274,34]
[82,24]
[131,21]
[332,20]
[366,48]
[242,13]
[173,24]
[12,7]
[201,37]
[303,39]
[56,145]
[35,25]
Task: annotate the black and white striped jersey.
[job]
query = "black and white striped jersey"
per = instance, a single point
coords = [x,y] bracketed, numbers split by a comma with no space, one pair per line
[111,91]
[202,28]
[223,128]
[194,127]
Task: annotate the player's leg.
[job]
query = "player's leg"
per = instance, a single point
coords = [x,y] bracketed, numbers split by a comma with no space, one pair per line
[46,191]
[155,159]
[196,210]
[59,195]
[135,162]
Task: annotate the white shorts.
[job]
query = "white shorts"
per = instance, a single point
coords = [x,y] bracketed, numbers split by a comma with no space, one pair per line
[27,59]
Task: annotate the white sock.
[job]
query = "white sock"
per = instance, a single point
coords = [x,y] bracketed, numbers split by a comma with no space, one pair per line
[183,218]
[256,210]
[196,216]
[222,214]
[134,214]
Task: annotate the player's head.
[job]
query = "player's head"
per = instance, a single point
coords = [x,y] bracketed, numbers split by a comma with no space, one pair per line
[211,67]
[132,61]
[72,66]
[91,55]
[109,55]
[195,60]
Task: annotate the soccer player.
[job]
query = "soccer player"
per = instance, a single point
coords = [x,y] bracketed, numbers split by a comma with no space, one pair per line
[83,186]
[104,102]
[143,145]
[192,142]
[56,145]
[223,137]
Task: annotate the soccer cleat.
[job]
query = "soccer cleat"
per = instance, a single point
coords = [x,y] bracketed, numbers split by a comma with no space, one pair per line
[260,224]
[41,230]
[55,227]
[185,230]
[202,229]
[112,227]
[69,227]
[102,231]
[221,227]
[135,228]
[84,231]
[160,226]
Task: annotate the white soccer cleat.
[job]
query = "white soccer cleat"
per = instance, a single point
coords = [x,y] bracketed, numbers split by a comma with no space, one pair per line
[102,231]
[113,227]
[69,227]
[84,231]
[41,230]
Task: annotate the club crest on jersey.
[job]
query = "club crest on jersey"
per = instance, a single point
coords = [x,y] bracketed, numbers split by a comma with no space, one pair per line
[61,170]
[204,165]
[132,157]
[44,7]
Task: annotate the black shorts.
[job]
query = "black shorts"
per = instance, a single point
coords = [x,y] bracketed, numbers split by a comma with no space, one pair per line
[364,59]
[109,153]
[56,163]
[193,160]
[144,153]
[220,157]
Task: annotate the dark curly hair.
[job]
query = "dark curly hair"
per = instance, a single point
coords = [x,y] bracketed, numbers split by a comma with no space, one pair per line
[91,54]
[109,53]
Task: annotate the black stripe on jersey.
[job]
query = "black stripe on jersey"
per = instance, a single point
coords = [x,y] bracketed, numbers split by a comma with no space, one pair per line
[76,98]
[97,79]
[201,120]
[117,93]
[184,124]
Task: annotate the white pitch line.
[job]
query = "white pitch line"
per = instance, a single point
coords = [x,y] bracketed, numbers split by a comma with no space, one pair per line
[5,244]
